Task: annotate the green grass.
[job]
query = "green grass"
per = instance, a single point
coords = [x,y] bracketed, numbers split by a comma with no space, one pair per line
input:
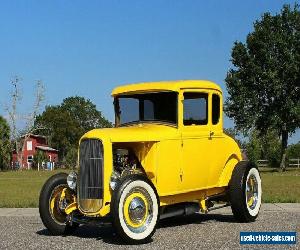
[22,188]
[280,187]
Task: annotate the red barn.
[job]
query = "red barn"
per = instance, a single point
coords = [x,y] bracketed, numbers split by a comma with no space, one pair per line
[32,144]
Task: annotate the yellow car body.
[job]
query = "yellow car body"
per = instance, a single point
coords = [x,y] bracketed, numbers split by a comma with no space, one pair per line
[183,162]
[166,156]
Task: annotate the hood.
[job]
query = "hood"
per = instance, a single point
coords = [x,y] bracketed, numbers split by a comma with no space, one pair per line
[137,132]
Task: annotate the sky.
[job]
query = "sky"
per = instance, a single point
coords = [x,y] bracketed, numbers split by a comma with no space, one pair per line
[87,48]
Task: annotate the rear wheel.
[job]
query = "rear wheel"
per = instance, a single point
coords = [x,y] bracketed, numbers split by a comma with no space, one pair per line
[245,192]
[51,206]
[135,209]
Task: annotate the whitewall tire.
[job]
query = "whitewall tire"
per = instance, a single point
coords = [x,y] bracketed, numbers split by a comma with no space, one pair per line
[253,192]
[135,209]
[245,192]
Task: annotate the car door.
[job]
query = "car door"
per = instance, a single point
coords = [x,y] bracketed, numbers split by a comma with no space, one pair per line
[195,132]
[168,172]
[217,146]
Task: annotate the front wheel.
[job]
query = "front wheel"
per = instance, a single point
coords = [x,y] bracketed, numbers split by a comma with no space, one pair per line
[245,192]
[51,206]
[134,209]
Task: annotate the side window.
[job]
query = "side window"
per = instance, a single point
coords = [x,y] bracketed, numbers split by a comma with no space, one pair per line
[195,109]
[215,109]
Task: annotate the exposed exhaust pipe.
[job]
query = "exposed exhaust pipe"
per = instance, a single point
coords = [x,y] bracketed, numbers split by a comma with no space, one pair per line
[180,209]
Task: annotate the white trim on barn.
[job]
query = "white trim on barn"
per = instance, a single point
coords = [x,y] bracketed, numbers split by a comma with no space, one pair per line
[45,148]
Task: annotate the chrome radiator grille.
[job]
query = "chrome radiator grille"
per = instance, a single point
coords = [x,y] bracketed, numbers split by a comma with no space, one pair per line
[90,186]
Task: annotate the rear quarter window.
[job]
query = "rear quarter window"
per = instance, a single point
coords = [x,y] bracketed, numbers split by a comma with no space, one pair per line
[215,109]
[195,109]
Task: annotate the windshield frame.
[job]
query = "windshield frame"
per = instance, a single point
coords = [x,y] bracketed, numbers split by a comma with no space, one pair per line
[117,112]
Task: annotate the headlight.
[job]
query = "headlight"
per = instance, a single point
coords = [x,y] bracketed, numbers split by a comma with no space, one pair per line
[114,179]
[72,180]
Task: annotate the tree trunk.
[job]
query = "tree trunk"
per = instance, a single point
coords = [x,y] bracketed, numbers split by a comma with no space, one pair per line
[284,142]
[19,158]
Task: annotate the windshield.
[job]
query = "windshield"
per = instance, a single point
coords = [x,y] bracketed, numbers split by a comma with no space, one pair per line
[150,107]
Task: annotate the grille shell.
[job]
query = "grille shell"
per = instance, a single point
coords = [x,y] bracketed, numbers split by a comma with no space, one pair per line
[90,188]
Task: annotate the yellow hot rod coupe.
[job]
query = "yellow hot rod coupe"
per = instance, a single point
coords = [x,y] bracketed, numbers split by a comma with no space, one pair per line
[166,156]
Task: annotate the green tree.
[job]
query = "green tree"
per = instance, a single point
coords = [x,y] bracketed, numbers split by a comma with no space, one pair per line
[5,146]
[253,147]
[62,130]
[39,157]
[263,147]
[270,146]
[67,122]
[264,84]
[293,151]
[85,113]
[71,158]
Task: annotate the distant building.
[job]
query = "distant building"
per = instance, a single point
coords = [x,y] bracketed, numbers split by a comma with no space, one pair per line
[33,144]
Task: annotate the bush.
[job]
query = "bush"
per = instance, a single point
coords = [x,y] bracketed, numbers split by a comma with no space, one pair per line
[264,147]
[293,151]
[39,158]
[70,160]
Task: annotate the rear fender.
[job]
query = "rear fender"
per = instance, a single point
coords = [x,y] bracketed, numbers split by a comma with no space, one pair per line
[227,170]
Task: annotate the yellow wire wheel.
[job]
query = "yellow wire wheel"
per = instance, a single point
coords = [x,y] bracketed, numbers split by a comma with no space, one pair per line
[55,207]
[54,198]
[251,192]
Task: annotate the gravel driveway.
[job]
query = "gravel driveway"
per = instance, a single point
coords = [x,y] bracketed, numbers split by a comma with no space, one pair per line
[22,229]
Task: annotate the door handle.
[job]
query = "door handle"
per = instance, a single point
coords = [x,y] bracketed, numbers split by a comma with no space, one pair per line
[211,133]
[180,174]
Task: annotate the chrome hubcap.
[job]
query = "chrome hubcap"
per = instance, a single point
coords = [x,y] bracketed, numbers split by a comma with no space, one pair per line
[252,191]
[137,210]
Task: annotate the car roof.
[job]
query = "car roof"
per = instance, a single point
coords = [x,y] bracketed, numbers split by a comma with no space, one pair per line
[164,86]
